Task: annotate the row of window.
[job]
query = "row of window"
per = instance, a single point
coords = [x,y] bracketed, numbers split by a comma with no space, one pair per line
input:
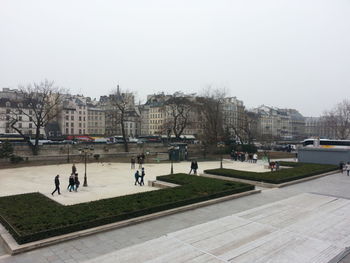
[156,121]
[81,131]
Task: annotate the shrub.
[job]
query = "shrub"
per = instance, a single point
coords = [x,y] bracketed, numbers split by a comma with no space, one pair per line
[6,150]
[30,217]
[16,159]
[298,171]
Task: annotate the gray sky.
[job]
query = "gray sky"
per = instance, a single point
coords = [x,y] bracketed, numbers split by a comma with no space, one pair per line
[283,53]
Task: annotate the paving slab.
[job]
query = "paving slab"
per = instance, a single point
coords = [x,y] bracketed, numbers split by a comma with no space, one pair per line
[270,233]
[105,180]
[336,185]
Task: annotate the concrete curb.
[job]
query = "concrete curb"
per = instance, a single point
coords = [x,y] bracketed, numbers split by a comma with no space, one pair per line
[14,248]
[268,185]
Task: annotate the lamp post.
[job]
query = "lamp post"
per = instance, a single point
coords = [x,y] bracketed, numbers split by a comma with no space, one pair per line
[220,145]
[172,148]
[85,152]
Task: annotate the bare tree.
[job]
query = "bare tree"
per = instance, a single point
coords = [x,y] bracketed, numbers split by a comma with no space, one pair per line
[40,103]
[338,119]
[121,103]
[246,127]
[178,109]
[210,106]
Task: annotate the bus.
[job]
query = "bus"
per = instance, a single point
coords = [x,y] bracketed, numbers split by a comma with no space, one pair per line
[12,137]
[326,143]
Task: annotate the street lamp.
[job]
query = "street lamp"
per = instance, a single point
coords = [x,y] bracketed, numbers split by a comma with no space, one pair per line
[85,152]
[172,151]
[220,145]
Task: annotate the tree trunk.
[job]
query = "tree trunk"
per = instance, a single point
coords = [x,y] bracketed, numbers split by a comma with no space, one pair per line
[126,146]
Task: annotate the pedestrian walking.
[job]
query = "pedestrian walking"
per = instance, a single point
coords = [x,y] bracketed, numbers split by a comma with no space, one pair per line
[71,183]
[341,166]
[192,167]
[142,176]
[137,176]
[195,167]
[57,185]
[74,169]
[132,161]
[347,168]
[76,182]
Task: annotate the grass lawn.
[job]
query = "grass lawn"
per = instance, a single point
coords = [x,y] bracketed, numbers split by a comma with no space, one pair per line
[298,171]
[31,217]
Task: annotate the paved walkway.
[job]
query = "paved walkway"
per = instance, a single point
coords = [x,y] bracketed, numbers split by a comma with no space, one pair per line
[105,180]
[303,228]
[92,247]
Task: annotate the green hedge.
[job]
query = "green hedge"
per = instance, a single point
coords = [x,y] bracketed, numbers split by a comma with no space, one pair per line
[30,217]
[298,171]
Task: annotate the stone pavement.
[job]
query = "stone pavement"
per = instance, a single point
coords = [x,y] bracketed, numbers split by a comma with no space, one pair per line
[105,180]
[303,228]
[94,246]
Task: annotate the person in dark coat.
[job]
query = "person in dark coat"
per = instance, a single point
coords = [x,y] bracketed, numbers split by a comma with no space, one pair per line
[341,166]
[71,183]
[74,169]
[76,182]
[192,167]
[57,185]
[142,176]
[195,167]
[137,176]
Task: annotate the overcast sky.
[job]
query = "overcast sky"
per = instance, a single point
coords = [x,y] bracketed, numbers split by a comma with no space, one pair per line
[283,53]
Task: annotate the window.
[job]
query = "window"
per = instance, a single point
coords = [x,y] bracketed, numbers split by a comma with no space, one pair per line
[67,130]
[79,124]
[30,119]
[30,112]
[79,131]
[79,118]
[20,118]
[67,117]
[19,125]
[84,118]
[72,118]
[30,125]
[72,131]
[67,124]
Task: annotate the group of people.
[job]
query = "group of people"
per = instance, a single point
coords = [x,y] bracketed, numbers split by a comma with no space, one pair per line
[344,167]
[140,160]
[73,183]
[139,178]
[274,166]
[244,156]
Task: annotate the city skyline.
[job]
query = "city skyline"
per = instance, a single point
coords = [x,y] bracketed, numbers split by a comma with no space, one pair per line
[291,54]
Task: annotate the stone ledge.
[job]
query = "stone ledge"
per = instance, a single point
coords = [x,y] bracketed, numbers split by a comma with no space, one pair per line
[160,184]
[267,185]
[14,248]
